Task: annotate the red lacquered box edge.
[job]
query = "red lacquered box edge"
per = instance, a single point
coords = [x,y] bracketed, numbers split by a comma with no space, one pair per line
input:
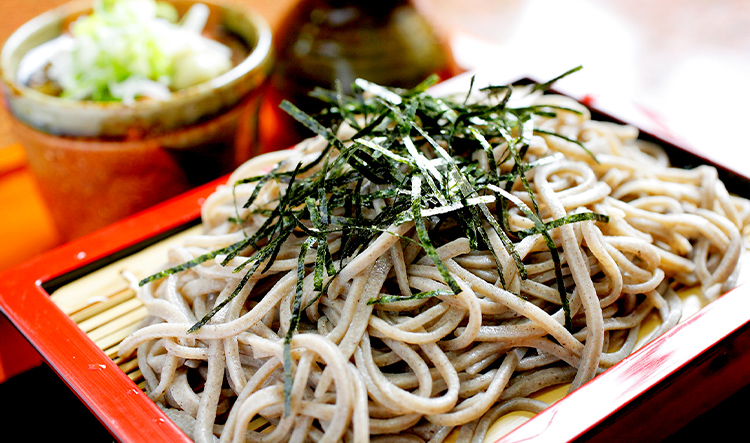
[658,371]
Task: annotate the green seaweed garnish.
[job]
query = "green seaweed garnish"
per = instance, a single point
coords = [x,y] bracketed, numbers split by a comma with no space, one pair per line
[436,162]
[386,298]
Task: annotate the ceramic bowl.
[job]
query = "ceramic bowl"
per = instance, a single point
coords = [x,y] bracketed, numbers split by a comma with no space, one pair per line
[97,162]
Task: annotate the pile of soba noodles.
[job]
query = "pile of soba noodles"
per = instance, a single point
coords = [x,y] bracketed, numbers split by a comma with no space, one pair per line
[423,266]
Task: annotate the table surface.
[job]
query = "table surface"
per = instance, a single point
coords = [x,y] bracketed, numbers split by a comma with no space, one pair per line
[682,64]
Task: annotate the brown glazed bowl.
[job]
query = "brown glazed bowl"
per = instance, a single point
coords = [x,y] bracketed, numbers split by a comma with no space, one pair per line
[98,162]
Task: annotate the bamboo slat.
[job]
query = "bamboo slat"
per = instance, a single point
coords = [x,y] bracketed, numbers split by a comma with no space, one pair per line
[104,303]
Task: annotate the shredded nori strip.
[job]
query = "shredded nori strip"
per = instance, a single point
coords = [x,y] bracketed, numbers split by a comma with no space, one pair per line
[385,298]
[417,153]
[554,134]
[424,237]
[548,84]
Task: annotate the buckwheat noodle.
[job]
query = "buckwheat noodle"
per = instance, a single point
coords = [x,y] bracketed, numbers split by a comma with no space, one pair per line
[420,369]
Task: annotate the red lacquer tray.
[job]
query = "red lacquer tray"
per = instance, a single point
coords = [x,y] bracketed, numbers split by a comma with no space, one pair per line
[647,396]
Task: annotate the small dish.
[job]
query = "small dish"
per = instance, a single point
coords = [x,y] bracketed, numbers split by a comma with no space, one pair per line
[97,162]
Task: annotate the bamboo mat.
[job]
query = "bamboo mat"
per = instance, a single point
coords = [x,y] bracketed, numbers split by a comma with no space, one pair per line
[105,306]
[104,303]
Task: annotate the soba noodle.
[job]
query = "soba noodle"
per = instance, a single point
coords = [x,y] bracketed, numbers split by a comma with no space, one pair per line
[419,368]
